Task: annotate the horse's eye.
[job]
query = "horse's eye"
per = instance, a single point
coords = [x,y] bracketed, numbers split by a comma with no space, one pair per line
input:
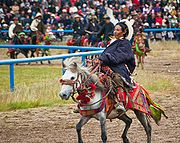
[72,78]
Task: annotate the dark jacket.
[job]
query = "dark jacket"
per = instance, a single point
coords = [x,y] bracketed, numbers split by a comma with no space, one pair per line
[78,29]
[107,30]
[120,58]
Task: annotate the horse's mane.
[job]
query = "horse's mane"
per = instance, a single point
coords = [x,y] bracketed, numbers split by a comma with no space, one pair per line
[81,69]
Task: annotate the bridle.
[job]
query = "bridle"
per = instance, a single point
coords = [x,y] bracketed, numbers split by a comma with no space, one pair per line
[73,83]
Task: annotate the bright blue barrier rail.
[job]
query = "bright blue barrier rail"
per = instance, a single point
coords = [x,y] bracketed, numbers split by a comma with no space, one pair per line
[28,60]
[145,30]
[53,47]
[161,29]
[54,31]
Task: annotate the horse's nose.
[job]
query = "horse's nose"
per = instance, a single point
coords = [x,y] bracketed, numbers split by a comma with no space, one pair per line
[63,95]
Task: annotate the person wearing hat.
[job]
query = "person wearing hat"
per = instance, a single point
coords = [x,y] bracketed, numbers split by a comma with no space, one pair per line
[78,28]
[37,27]
[106,30]
[92,29]
[119,57]
[14,29]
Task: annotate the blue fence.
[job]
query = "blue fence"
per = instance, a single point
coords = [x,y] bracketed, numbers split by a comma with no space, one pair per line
[145,30]
[161,29]
[54,31]
[29,60]
[53,47]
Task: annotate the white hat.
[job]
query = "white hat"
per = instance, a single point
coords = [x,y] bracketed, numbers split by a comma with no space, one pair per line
[5,25]
[38,15]
[157,24]
[64,10]
[53,15]
[77,16]
[146,24]
[130,28]
[84,5]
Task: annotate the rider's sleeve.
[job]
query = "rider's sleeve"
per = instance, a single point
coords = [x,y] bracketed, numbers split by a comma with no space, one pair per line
[10,32]
[117,55]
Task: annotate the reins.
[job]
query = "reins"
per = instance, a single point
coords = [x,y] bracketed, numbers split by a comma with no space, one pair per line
[75,83]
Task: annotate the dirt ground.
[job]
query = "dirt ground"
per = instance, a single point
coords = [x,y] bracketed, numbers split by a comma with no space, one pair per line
[57,125]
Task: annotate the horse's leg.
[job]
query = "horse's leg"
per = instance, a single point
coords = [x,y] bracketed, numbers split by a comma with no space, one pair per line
[102,120]
[138,60]
[141,62]
[144,121]
[82,122]
[127,120]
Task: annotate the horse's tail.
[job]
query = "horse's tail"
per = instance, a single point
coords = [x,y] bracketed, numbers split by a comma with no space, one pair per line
[154,107]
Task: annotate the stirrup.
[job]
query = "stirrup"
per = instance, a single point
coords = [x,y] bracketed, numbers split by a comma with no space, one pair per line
[76,111]
[120,107]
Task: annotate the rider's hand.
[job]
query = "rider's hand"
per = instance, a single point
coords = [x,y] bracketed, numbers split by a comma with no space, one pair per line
[98,62]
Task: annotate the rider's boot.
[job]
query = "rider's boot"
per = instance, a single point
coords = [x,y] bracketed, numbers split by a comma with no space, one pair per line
[120,107]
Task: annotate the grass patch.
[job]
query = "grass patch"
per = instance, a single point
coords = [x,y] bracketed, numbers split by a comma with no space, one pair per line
[155,82]
[35,86]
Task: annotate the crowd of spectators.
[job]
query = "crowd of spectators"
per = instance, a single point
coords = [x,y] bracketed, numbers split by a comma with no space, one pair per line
[58,14]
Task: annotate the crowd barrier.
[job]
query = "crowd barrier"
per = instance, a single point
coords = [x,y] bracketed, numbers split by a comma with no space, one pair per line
[70,48]
[54,31]
[11,62]
[145,30]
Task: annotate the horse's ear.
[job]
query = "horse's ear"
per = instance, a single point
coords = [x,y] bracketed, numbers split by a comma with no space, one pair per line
[63,64]
[74,64]
[73,67]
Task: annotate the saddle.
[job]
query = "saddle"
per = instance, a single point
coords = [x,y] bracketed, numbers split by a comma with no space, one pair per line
[131,95]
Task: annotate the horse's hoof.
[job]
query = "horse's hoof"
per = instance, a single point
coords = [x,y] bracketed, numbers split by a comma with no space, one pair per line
[125,140]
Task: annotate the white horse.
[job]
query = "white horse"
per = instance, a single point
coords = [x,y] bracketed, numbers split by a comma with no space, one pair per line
[79,79]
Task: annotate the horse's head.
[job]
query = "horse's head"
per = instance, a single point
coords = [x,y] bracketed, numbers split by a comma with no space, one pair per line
[68,81]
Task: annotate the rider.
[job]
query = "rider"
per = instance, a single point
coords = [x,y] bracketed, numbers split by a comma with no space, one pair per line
[14,29]
[37,27]
[119,57]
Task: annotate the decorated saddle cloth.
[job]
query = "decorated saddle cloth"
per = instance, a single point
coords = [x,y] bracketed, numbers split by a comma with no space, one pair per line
[135,99]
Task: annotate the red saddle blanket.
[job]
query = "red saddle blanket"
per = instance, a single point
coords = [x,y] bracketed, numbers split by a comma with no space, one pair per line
[136,99]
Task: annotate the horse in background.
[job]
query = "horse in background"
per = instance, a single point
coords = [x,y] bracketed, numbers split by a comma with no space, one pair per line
[20,39]
[93,102]
[139,49]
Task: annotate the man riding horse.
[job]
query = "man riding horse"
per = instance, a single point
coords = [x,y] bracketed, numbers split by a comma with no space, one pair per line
[37,29]
[119,57]
[13,32]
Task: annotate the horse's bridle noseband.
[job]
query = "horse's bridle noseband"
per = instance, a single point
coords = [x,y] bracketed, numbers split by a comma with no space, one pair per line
[73,83]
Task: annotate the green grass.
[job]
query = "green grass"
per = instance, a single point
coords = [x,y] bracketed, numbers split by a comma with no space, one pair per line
[155,82]
[35,86]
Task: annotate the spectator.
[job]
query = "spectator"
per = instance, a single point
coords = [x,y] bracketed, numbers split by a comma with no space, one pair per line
[107,29]
[78,29]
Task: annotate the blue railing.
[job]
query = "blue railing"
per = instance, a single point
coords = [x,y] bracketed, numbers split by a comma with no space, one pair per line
[54,31]
[145,30]
[52,47]
[161,29]
[29,60]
